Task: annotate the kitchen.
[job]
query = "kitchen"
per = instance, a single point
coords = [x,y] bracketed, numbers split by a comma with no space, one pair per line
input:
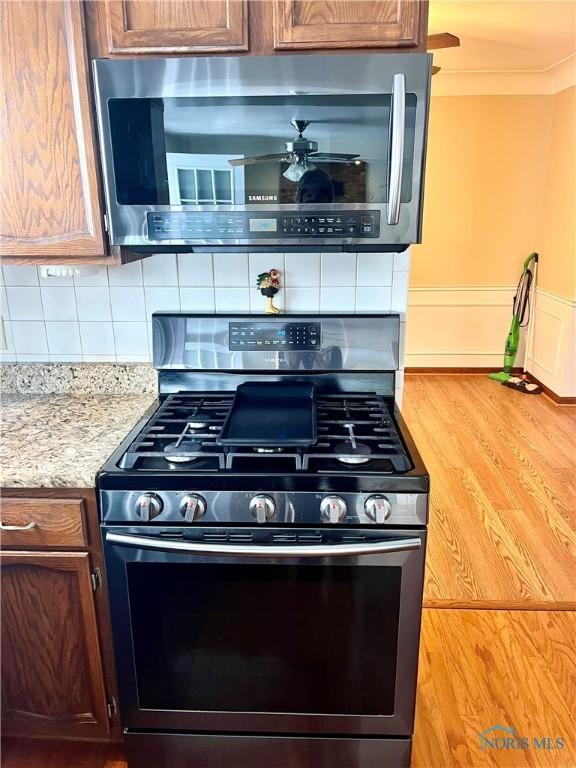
[332,540]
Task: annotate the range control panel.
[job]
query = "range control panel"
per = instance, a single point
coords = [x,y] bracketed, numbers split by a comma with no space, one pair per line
[255,225]
[267,336]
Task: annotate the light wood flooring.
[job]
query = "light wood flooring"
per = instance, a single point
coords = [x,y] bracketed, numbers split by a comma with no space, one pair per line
[502,535]
[502,529]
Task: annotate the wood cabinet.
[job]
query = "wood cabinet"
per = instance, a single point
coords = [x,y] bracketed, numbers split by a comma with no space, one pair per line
[119,28]
[49,196]
[176,26]
[345,24]
[57,668]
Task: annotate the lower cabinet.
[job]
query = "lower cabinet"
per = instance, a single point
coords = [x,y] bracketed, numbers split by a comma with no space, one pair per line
[56,680]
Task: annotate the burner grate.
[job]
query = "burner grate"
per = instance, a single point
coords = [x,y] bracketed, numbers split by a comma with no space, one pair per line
[356,432]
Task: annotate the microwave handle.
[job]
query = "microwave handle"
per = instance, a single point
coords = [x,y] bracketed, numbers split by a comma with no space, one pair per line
[264,550]
[396,158]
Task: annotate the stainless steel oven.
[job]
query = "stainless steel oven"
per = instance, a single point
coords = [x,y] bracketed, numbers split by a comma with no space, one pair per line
[264,152]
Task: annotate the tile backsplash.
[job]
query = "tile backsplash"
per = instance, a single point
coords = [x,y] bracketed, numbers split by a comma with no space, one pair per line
[103,313]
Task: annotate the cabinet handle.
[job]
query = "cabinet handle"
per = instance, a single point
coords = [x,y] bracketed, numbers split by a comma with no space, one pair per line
[28,527]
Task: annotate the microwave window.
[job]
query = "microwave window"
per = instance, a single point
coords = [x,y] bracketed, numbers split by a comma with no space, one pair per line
[255,150]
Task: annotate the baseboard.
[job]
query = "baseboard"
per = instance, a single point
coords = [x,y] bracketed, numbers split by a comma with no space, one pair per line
[449,370]
[557,399]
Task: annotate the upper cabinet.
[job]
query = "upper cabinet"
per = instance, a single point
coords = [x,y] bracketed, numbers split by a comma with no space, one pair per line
[176,26]
[49,196]
[345,23]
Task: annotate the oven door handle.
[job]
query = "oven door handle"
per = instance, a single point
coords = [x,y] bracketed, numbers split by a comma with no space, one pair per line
[264,550]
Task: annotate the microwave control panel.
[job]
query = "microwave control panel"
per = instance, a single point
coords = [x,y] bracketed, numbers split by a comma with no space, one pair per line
[254,225]
[267,336]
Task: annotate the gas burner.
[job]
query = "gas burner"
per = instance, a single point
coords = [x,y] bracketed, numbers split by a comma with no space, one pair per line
[180,451]
[272,449]
[197,424]
[357,453]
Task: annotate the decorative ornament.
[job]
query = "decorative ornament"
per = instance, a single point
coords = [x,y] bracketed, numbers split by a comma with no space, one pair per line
[269,284]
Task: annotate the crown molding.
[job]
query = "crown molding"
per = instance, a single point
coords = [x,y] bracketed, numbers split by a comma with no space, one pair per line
[545,82]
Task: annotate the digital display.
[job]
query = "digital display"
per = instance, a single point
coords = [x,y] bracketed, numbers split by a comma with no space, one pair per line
[274,336]
[263,225]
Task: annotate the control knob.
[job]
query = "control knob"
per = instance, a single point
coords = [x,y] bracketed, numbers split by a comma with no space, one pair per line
[148,506]
[263,508]
[378,509]
[192,507]
[333,509]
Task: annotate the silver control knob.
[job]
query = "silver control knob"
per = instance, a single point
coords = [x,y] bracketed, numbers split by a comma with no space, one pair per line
[263,508]
[192,507]
[378,509]
[333,509]
[149,506]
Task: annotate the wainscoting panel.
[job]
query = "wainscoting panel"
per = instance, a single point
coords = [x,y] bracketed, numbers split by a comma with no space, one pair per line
[459,327]
[552,358]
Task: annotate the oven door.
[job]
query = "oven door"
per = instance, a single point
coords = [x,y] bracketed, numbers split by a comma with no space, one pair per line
[267,631]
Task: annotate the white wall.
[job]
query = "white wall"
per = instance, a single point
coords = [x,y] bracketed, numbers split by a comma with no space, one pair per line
[103,314]
[552,357]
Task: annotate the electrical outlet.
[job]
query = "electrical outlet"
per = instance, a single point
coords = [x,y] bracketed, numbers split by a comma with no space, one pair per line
[3,342]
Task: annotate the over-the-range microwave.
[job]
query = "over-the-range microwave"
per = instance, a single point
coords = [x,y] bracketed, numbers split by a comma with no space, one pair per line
[264,153]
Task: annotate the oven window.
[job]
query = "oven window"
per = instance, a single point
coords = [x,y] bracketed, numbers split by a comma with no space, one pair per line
[260,638]
[236,151]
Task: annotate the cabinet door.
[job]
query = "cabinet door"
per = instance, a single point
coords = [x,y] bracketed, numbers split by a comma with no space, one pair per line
[346,23]
[52,679]
[176,26]
[49,204]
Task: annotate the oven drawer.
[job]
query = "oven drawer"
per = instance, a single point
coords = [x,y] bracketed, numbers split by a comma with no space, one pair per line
[39,523]
[176,750]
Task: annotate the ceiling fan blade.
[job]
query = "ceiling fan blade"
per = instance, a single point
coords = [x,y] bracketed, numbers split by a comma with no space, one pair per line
[435,70]
[281,157]
[442,40]
[331,157]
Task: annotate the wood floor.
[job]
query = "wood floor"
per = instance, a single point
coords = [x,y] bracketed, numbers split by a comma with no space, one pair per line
[502,535]
[502,527]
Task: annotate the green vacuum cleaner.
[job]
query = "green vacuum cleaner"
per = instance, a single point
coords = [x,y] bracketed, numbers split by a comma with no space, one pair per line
[521,313]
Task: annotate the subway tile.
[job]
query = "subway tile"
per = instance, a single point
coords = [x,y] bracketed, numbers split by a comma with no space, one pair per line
[1,276]
[337,299]
[264,262]
[88,358]
[4,309]
[400,293]
[160,269]
[161,299]
[301,270]
[97,338]
[66,358]
[197,299]
[128,303]
[195,269]
[131,339]
[63,338]
[29,337]
[59,303]
[375,269]
[24,303]
[96,276]
[230,269]
[376,299]
[133,358]
[402,343]
[125,274]
[93,303]
[302,299]
[402,261]
[338,269]
[20,275]
[232,299]
[38,357]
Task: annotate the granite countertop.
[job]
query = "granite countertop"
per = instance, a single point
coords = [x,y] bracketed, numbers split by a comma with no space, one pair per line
[62,440]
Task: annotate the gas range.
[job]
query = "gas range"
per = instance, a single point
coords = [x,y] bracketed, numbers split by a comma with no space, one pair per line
[275,468]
